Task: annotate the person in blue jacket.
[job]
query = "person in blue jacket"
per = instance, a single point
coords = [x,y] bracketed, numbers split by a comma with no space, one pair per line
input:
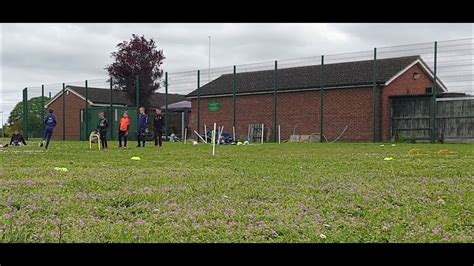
[50,124]
[142,127]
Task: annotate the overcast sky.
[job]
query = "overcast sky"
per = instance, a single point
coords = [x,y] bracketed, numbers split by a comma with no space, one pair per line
[35,54]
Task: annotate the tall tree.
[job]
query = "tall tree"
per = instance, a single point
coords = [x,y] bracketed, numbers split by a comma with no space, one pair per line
[141,57]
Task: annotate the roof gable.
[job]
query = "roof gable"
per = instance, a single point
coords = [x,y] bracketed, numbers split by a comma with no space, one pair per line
[101,96]
[424,67]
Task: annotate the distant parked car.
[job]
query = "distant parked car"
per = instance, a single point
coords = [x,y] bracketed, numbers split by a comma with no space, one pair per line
[226,137]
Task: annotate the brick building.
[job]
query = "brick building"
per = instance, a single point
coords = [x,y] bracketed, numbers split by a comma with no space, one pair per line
[348,98]
[97,97]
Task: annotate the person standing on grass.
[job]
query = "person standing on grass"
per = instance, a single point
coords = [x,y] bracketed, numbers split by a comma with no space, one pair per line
[142,127]
[158,123]
[50,124]
[102,128]
[17,139]
[123,130]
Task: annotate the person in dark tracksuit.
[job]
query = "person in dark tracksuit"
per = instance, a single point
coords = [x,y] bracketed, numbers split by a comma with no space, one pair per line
[50,123]
[102,128]
[142,127]
[158,123]
[17,139]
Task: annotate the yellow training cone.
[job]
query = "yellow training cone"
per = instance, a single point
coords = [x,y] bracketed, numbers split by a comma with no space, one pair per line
[136,158]
[388,159]
[443,152]
[446,152]
[416,152]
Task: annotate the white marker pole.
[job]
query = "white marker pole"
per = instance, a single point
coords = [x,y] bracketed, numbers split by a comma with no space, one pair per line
[205,132]
[220,134]
[279,136]
[233,133]
[200,137]
[248,134]
[263,131]
[185,133]
[214,141]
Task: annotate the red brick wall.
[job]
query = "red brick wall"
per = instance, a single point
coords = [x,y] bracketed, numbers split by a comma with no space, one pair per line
[403,85]
[73,116]
[352,107]
[244,113]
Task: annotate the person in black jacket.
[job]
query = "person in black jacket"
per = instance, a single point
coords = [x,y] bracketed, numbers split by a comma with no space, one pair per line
[158,123]
[17,139]
[102,128]
[142,128]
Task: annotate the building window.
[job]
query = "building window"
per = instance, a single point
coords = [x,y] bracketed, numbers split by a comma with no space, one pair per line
[429,90]
[416,75]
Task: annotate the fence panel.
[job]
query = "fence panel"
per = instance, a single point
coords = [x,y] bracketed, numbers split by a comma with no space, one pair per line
[31,124]
[254,101]
[299,99]
[456,65]
[455,118]
[181,112]
[349,97]
[55,102]
[216,105]
[102,97]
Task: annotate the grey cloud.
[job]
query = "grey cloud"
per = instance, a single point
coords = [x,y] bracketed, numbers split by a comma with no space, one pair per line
[388,34]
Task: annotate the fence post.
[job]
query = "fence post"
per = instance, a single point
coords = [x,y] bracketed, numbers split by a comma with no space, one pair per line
[42,106]
[86,112]
[433,115]
[321,103]
[374,99]
[199,103]
[111,118]
[25,112]
[166,105]
[64,111]
[137,103]
[233,97]
[275,102]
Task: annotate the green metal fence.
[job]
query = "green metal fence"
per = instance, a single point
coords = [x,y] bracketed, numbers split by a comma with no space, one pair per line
[238,96]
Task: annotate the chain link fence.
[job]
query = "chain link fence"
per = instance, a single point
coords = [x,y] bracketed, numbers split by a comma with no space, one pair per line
[420,92]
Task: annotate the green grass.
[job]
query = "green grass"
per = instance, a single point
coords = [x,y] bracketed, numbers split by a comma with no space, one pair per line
[256,193]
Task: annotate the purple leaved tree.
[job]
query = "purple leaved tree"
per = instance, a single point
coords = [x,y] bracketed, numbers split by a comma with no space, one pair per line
[137,57]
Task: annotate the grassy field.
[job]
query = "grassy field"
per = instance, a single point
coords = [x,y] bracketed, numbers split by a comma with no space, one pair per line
[255,193]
